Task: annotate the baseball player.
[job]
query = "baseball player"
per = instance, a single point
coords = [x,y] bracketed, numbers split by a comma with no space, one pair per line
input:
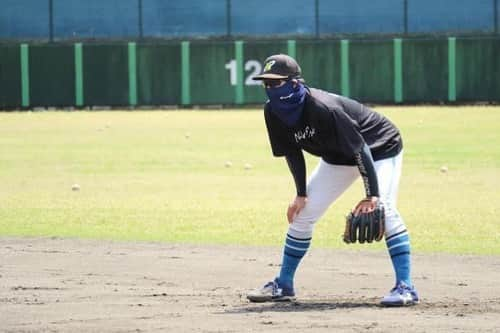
[351,140]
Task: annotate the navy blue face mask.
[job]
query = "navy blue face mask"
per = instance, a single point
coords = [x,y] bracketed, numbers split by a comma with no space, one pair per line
[287,101]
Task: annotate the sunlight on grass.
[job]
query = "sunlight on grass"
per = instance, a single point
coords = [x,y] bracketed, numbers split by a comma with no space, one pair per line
[164,176]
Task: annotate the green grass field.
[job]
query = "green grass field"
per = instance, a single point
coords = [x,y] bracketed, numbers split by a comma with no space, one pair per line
[161,176]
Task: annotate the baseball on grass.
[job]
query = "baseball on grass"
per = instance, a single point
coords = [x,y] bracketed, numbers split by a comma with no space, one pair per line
[228,164]
[75,187]
[248,166]
[444,169]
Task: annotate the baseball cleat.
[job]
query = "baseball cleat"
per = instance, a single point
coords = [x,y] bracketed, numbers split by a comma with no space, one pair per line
[401,295]
[271,292]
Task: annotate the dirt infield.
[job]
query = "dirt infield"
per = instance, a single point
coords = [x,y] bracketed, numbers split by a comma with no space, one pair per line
[80,285]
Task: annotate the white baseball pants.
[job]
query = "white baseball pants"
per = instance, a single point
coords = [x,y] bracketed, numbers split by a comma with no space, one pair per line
[329,181]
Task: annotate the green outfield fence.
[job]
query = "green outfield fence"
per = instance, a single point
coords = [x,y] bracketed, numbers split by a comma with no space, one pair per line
[186,73]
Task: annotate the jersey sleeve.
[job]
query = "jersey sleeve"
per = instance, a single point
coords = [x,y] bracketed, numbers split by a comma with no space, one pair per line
[366,168]
[281,145]
[297,165]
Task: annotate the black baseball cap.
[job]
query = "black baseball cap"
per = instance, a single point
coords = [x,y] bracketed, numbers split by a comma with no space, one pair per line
[279,67]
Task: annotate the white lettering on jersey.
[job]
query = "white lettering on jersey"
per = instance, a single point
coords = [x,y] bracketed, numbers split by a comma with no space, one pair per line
[306,133]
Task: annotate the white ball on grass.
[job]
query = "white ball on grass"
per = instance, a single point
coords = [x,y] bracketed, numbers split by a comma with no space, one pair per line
[75,187]
[228,164]
[444,169]
[248,166]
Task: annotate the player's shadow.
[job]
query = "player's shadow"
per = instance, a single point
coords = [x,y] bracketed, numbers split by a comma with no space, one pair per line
[303,306]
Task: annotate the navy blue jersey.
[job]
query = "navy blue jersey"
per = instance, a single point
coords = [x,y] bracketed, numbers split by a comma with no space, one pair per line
[334,128]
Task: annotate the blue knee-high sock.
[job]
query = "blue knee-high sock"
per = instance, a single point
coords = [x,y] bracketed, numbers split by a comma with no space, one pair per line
[295,249]
[399,250]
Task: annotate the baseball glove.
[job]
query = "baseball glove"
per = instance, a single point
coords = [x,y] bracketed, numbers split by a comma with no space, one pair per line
[365,227]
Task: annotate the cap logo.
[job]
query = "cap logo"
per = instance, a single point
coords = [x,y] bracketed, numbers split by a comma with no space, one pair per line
[269,65]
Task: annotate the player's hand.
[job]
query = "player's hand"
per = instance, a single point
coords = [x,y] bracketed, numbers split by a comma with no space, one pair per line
[295,207]
[366,205]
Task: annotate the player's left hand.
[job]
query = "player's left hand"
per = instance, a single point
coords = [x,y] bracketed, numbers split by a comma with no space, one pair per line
[366,205]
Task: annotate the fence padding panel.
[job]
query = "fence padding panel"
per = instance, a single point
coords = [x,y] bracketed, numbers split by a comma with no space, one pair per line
[210,81]
[52,75]
[320,63]
[105,74]
[425,70]
[159,74]
[10,76]
[478,69]
[372,70]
